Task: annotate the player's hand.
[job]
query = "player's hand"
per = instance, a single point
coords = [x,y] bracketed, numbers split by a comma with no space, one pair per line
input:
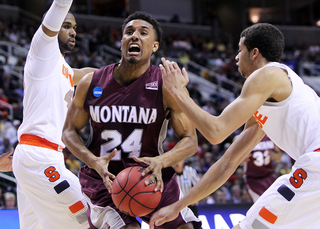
[165,214]
[6,161]
[154,166]
[173,78]
[102,168]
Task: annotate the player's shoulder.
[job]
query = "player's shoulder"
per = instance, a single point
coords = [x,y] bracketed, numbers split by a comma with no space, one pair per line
[86,80]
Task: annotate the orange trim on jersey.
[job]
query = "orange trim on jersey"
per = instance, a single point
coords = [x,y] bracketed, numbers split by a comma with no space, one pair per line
[317,150]
[267,215]
[76,207]
[33,140]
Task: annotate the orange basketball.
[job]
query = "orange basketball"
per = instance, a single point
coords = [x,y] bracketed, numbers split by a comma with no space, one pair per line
[131,195]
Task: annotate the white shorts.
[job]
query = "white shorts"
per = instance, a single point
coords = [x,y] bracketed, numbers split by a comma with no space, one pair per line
[292,201]
[49,195]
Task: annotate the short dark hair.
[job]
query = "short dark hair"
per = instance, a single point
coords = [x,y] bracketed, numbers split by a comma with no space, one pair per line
[267,38]
[146,17]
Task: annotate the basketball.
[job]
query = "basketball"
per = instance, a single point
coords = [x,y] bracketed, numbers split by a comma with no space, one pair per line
[131,195]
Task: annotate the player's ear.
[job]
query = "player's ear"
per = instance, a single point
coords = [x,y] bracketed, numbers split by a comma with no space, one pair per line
[254,52]
[155,46]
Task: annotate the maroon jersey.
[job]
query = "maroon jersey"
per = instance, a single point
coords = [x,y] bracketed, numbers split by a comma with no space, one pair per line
[259,164]
[130,118]
[133,120]
[259,172]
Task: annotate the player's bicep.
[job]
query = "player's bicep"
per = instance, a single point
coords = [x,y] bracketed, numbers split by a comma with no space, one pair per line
[182,126]
[80,73]
[252,97]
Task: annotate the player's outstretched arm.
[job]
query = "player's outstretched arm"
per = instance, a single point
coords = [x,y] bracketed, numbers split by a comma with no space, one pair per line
[217,128]
[55,16]
[6,161]
[214,178]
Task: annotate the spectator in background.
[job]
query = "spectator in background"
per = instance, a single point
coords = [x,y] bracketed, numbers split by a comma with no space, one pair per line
[6,145]
[1,199]
[9,200]
[208,107]
[195,94]
[220,197]
[187,177]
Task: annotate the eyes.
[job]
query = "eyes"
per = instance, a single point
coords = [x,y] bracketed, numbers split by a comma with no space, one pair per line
[68,26]
[131,31]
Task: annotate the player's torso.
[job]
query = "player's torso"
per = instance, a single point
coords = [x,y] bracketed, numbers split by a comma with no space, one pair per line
[131,118]
[46,101]
[292,124]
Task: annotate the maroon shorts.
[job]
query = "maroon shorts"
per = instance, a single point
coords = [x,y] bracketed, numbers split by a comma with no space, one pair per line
[94,188]
[260,185]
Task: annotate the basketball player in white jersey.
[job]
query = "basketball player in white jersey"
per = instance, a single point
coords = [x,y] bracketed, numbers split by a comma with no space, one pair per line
[49,195]
[274,101]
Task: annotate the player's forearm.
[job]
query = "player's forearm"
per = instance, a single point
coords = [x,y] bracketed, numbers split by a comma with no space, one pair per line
[76,146]
[206,123]
[56,14]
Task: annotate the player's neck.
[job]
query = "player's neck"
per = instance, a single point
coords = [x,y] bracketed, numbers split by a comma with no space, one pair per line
[125,73]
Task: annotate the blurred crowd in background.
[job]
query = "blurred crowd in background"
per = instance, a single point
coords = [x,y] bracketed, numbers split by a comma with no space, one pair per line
[214,54]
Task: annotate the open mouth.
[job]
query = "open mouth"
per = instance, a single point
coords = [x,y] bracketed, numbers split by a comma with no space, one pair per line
[134,49]
[72,41]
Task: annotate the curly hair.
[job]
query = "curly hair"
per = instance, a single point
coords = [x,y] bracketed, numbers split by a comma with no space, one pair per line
[148,18]
[267,38]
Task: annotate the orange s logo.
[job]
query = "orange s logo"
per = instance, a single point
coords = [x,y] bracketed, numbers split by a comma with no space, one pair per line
[52,174]
[298,176]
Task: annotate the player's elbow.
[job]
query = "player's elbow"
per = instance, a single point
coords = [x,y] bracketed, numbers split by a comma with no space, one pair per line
[214,136]
[65,135]
[214,140]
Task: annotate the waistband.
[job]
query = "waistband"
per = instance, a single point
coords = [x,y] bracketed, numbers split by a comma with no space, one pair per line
[33,140]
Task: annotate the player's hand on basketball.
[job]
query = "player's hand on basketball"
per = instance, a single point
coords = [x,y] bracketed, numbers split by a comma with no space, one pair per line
[173,78]
[154,167]
[165,214]
[6,161]
[102,169]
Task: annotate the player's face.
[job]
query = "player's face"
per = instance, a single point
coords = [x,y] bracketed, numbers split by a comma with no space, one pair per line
[67,34]
[243,59]
[138,41]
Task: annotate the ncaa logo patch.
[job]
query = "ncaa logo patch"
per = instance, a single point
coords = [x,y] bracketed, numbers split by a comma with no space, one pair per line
[97,91]
[152,86]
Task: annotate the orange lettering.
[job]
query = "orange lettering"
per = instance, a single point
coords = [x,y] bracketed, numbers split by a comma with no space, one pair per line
[261,120]
[65,72]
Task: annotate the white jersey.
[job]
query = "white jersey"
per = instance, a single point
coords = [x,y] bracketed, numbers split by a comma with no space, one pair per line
[292,124]
[48,89]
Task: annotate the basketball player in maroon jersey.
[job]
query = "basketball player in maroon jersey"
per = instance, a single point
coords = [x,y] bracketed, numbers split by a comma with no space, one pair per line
[258,168]
[128,109]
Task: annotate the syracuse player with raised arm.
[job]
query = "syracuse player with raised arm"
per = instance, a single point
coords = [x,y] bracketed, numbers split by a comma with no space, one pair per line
[49,195]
